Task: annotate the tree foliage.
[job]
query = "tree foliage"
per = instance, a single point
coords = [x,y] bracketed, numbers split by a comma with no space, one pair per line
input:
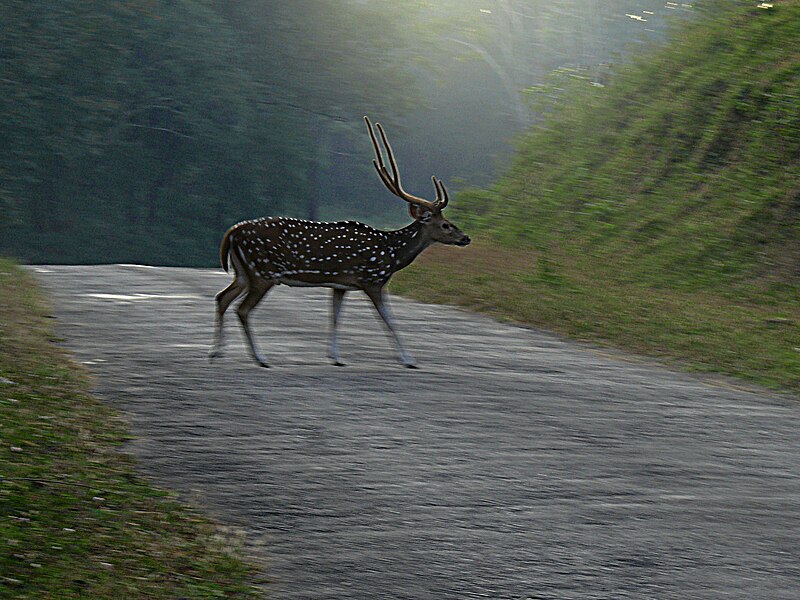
[139,130]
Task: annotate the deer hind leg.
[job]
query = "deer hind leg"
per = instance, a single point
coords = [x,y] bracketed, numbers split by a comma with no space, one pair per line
[257,288]
[223,300]
[379,300]
[333,348]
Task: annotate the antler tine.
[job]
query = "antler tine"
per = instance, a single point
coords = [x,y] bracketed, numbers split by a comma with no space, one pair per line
[392,181]
[442,197]
[378,160]
[392,161]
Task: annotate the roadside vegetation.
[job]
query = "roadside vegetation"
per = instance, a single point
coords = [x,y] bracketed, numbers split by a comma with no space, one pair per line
[76,520]
[655,209]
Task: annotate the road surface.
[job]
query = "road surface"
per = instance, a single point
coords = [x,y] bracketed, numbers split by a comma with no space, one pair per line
[511,465]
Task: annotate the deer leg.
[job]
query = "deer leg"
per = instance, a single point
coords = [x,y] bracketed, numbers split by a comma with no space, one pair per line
[255,293]
[223,300]
[379,300]
[333,348]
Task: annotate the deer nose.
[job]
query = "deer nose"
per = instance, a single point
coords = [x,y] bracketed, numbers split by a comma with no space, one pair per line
[464,241]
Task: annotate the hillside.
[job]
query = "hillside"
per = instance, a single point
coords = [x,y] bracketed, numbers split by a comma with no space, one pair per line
[686,167]
[658,210]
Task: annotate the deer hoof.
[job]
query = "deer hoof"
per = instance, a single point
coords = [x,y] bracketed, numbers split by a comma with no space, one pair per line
[408,362]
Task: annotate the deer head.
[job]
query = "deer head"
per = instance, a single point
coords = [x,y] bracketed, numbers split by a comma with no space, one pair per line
[426,212]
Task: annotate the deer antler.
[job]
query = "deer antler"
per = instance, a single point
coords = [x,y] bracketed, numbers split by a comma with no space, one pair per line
[392,181]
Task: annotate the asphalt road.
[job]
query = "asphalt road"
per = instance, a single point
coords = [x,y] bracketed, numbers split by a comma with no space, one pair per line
[511,465]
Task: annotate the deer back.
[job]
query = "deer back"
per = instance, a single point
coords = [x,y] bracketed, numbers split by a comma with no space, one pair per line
[295,251]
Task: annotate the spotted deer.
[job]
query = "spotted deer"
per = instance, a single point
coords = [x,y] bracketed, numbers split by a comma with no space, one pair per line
[344,256]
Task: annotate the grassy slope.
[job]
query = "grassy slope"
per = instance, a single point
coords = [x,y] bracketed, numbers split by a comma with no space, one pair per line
[660,213]
[75,519]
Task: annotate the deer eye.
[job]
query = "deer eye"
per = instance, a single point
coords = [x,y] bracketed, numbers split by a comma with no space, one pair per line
[446,226]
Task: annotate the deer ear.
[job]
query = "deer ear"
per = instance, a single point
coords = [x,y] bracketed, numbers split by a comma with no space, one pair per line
[419,213]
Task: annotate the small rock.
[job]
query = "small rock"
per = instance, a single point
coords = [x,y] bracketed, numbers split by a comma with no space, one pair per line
[779,321]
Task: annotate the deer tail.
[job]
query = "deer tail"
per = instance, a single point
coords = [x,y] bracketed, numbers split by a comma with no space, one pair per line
[225,248]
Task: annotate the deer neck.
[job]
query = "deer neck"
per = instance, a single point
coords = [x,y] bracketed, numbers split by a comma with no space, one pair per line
[408,243]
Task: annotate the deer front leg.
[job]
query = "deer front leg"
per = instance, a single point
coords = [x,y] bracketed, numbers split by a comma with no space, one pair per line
[379,300]
[255,293]
[333,348]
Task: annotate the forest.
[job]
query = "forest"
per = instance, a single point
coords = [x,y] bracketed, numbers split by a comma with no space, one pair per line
[138,131]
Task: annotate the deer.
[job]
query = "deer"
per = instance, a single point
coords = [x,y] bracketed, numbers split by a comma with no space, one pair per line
[344,256]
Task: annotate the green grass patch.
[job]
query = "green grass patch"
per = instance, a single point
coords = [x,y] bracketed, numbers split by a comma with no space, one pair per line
[755,337]
[76,520]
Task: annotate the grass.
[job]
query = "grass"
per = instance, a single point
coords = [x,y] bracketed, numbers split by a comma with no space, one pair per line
[746,337]
[683,167]
[76,520]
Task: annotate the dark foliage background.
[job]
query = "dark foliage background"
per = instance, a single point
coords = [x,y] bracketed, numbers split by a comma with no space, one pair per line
[139,130]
